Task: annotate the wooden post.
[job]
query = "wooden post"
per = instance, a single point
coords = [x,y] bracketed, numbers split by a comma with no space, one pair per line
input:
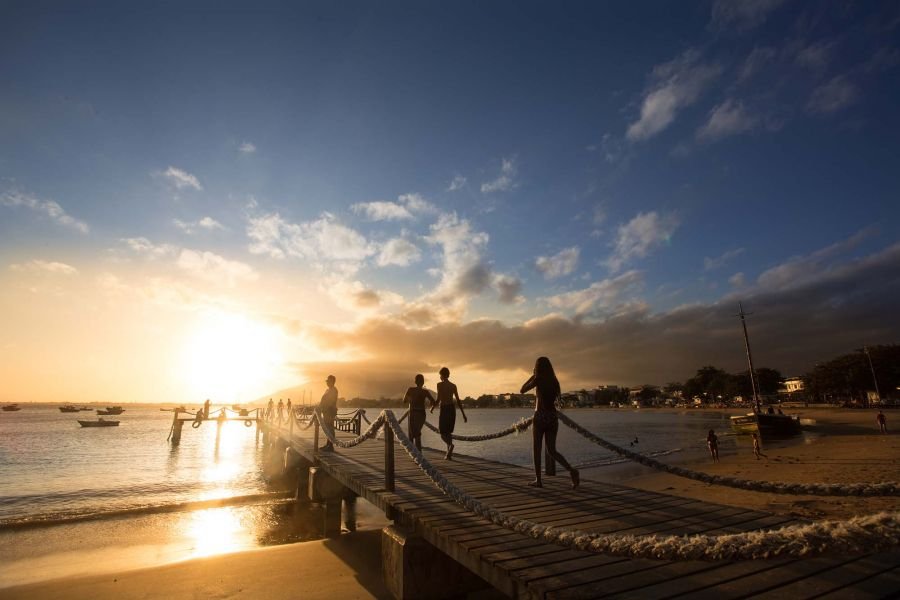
[257,430]
[549,462]
[315,437]
[176,430]
[291,424]
[388,458]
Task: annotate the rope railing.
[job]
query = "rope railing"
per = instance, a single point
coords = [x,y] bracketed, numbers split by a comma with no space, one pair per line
[368,434]
[811,489]
[859,535]
[517,427]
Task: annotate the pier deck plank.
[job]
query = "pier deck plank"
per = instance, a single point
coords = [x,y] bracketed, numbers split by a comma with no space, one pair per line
[522,567]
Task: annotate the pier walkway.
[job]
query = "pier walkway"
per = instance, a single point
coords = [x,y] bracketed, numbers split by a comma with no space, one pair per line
[522,567]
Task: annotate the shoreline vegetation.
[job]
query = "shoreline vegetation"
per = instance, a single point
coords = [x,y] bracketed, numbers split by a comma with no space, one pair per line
[844,447]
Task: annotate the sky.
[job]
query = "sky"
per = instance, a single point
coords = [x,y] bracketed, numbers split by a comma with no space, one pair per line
[221,200]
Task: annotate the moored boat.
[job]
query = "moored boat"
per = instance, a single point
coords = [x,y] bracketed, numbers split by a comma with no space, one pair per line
[69,408]
[11,407]
[101,422]
[767,425]
[111,410]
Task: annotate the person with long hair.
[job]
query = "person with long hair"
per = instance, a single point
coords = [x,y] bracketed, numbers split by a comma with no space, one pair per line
[416,397]
[446,392]
[545,426]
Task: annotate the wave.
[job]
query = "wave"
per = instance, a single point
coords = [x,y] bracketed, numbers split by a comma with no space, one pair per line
[604,462]
[64,518]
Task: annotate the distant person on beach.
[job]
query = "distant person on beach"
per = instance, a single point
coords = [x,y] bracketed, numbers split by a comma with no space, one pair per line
[882,422]
[757,449]
[416,396]
[712,442]
[280,409]
[446,393]
[328,408]
[545,427]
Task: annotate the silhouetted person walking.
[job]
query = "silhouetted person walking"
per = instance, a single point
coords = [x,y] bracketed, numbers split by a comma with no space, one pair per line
[280,409]
[757,449]
[546,425]
[416,396]
[712,442]
[447,421]
[882,422]
[328,408]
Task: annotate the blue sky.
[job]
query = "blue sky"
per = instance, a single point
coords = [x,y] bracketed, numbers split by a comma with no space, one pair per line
[485,181]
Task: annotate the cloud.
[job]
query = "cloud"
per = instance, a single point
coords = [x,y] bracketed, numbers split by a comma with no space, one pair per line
[791,329]
[711,264]
[675,85]
[737,280]
[356,297]
[561,263]
[207,223]
[728,118]
[247,148]
[831,97]
[182,179]
[601,297]
[638,237]
[16,198]
[325,241]
[458,183]
[406,206]
[743,14]
[44,266]
[505,181]
[509,289]
[814,56]
[755,61]
[398,252]
[214,268]
[143,246]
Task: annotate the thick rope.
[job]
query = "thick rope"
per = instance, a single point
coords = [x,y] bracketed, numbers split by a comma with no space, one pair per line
[859,535]
[516,427]
[369,433]
[812,489]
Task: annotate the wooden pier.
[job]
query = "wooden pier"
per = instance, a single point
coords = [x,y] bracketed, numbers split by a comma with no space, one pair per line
[429,527]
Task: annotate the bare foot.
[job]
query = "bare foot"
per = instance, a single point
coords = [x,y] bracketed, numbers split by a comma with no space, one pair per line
[536,483]
[450,452]
[576,479]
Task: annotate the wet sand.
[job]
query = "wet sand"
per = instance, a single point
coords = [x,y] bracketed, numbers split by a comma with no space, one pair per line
[845,448]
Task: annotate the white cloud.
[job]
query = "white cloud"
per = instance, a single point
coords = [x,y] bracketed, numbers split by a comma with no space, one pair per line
[728,118]
[833,96]
[599,297]
[15,198]
[639,236]
[247,148]
[676,85]
[737,280]
[214,268]
[181,179]
[44,266]
[742,14]
[509,289]
[755,61]
[323,240]
[207,223]
[356,297]
[416,203]
[463,272]
[561,263]
[505,181]
[143,246]
[458,183]
[382,211]
[398,252]
[815,56]
[710,264]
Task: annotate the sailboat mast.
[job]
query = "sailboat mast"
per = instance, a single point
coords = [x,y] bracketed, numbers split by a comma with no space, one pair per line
[756,406]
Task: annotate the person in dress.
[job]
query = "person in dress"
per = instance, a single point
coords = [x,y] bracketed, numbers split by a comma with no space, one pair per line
[415,397]
[328,409]
[447,392]
[545,426]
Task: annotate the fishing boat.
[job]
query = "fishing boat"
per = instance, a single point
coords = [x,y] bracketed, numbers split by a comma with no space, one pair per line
[767,424]
[69,408]
[11,407]
[101,422]
[111,410]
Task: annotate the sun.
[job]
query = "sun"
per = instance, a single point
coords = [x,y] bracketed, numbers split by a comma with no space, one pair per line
[229,358]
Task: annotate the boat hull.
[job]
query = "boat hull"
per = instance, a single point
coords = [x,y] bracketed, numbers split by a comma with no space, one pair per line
[767,425]
[98,423]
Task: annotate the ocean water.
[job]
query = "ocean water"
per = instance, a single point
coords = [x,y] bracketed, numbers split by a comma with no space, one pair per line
[82,500]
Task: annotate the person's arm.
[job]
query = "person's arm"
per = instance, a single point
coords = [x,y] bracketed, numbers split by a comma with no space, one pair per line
[528,385]
[459,404]
[406,396]
[431,399]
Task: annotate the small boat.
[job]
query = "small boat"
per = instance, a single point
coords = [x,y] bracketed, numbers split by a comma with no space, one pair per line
[11,407]
[767,425]
[111,410]
[69,408]
[101,422]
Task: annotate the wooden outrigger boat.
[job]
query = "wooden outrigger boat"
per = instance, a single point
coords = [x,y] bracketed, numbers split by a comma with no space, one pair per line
[101,422]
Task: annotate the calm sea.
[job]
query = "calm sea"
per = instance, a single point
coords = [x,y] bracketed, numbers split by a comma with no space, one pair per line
[106,495]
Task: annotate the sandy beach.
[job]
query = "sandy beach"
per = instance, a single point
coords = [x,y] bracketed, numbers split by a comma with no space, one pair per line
[844,448]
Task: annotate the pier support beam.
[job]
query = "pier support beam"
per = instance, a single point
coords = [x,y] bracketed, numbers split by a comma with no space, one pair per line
[328,492]
[414,569]
[177,425]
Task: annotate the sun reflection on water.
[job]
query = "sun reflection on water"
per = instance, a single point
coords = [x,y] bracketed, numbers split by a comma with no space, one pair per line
[218,531]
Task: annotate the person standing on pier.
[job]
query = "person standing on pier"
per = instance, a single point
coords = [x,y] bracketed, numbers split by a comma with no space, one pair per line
[270,409]
[447,421]
[288,410]
[328,409]
[280,409]
[416,396]
[545,426]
